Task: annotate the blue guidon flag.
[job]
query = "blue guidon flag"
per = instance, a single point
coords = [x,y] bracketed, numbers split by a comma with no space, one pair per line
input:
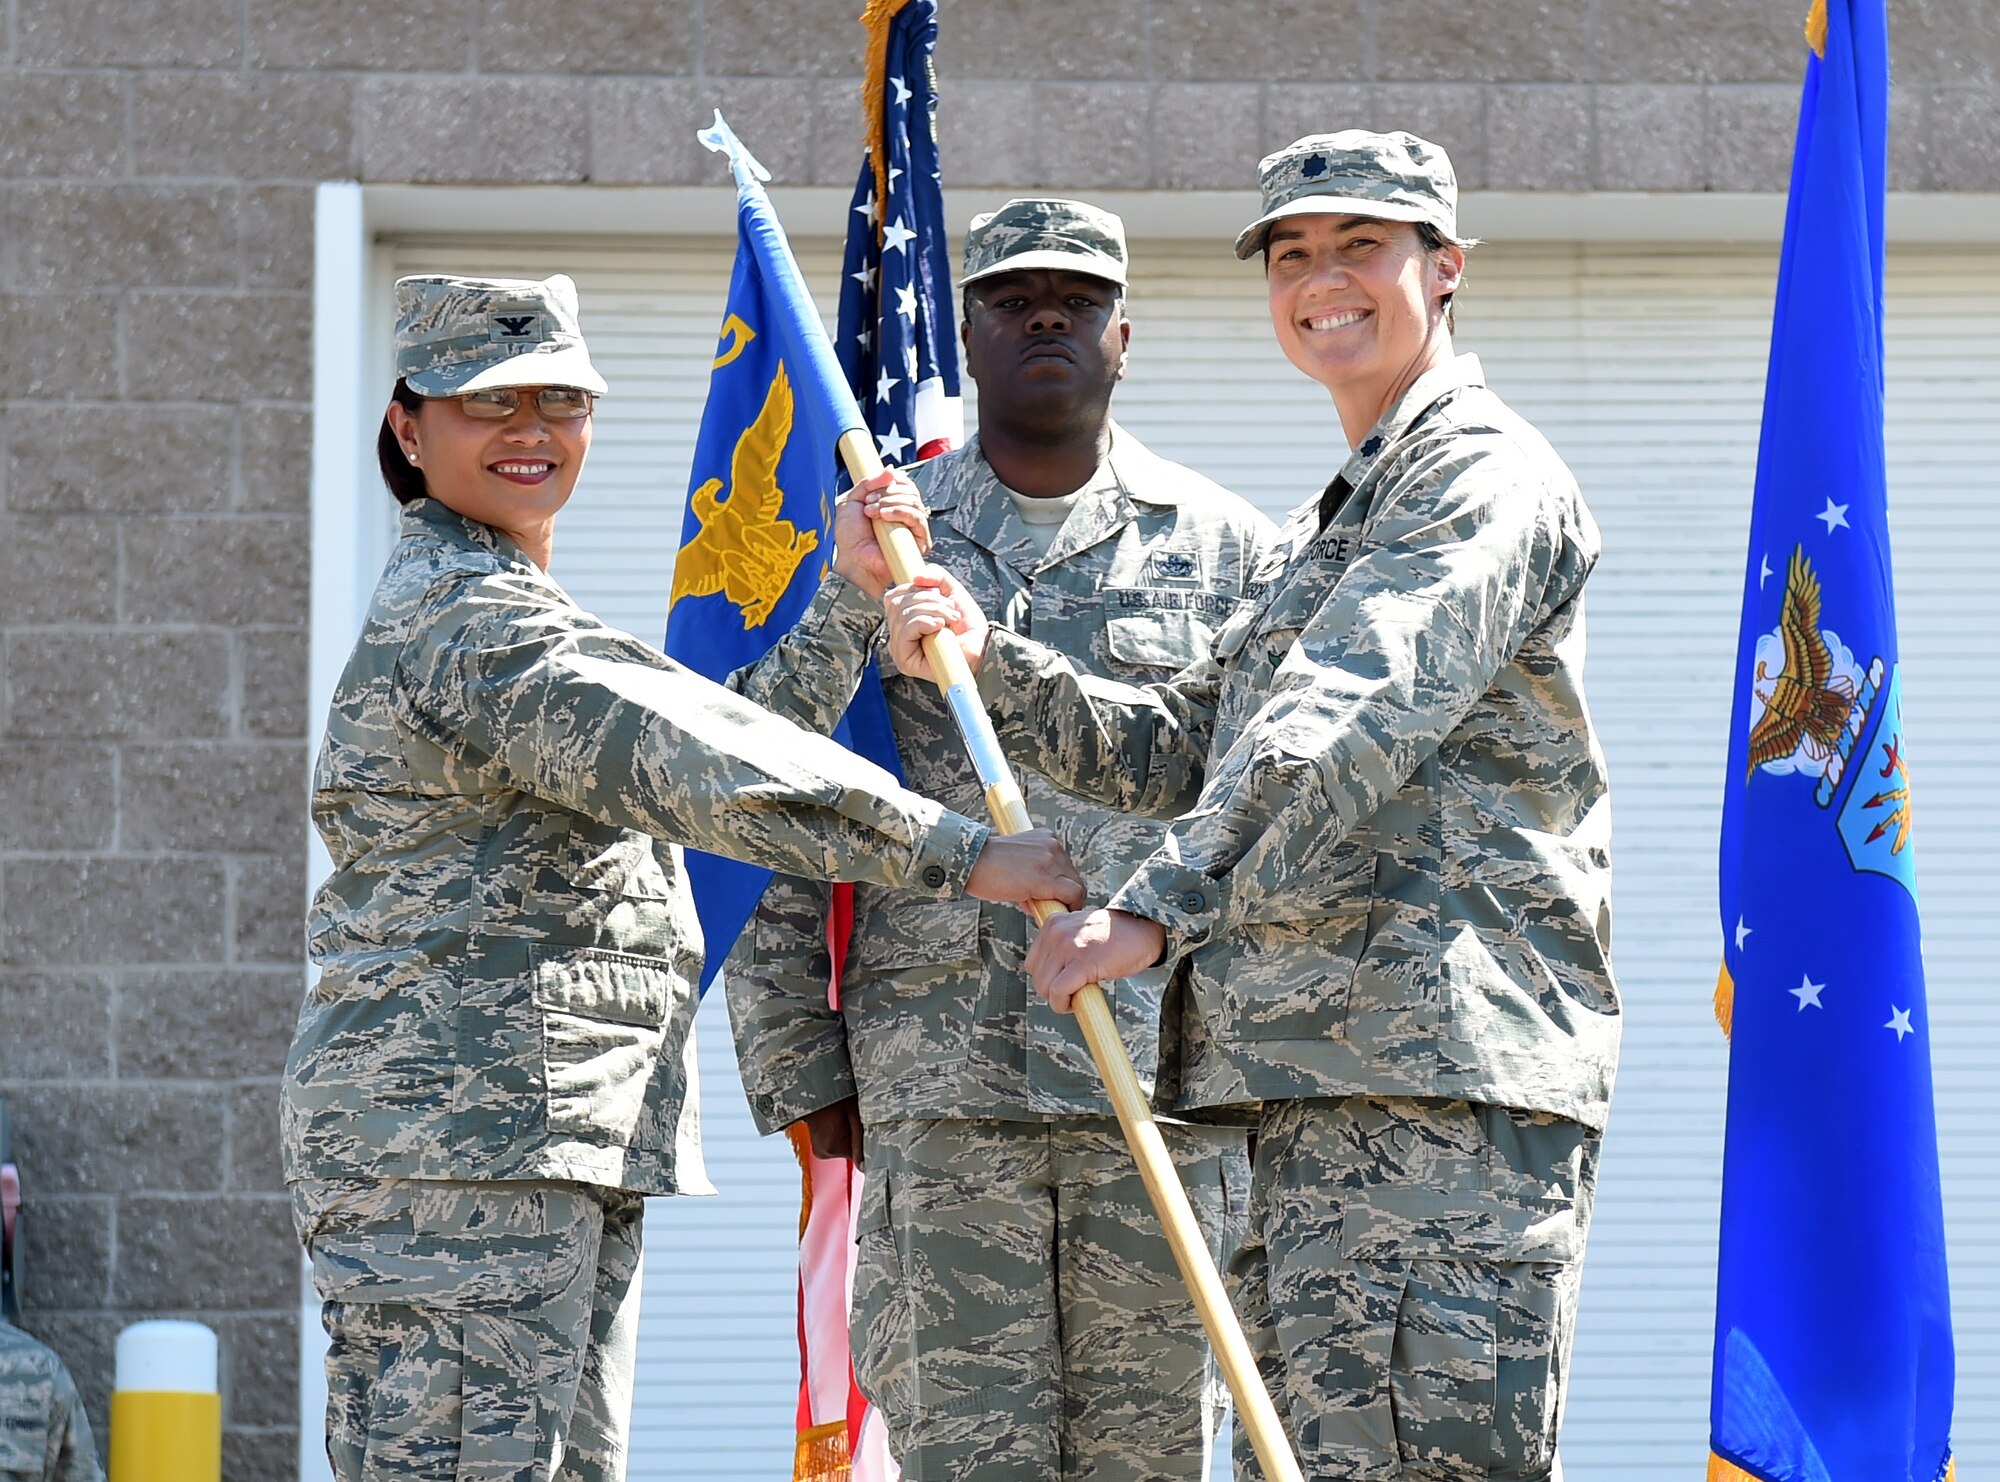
[896,338]
[1833,1346]
[758,534]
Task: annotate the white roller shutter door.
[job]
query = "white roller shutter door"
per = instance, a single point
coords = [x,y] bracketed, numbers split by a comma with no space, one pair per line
[1644,366]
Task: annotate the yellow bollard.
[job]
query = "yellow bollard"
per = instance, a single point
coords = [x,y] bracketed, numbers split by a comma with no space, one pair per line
[166,1413]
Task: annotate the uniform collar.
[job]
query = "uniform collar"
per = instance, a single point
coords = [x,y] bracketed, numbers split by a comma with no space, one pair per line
[442,519]
[1424,393]
[978,506]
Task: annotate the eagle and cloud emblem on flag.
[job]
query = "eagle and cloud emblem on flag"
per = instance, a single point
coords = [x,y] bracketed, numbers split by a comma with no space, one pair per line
[1811,705]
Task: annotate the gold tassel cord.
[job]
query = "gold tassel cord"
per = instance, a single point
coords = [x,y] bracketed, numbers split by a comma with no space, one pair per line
[801,1142]
[1723,1471]
[1725,999]
[1816,29]
[876,20]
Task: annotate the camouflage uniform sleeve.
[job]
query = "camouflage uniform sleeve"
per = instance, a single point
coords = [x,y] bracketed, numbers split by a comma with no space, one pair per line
[808,676]
[790,1042]
[1445,588]
[75,1452]
[1137,748]
[546,699]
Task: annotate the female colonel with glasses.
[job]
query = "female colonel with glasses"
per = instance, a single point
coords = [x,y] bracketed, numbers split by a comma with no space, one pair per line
[492,1068]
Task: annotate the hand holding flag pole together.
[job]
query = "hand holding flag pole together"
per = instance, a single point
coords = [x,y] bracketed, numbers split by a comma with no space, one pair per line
[820,379]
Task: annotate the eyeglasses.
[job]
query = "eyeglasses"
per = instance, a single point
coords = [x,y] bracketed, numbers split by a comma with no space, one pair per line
[557,403]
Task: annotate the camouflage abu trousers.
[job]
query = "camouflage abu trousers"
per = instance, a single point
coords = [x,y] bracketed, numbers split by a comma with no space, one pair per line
[482,1332]
[1409,1284]
[1017,1313]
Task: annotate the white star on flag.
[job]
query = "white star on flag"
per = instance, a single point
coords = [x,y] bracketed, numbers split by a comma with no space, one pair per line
[866,210]
[1742,933]
[1835,516]
[1808,992]
[892,444]
[1763,571]
[882,386]
[864,337]
[897,238]
[1899,1020]
[910,361]
[895,173]
[902,89]
[866,278]
[906,301]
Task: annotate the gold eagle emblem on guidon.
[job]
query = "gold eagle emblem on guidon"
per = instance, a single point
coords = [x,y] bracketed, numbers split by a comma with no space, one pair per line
[745,549]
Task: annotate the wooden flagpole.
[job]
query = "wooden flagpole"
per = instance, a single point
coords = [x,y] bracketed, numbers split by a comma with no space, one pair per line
[1254,1410]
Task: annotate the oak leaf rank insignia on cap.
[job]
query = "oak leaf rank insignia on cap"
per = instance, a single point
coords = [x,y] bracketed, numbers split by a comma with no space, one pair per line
[1393,177]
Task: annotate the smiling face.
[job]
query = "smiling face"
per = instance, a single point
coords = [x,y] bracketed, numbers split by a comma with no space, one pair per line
[1045,346]
[1355,303]
[512,473]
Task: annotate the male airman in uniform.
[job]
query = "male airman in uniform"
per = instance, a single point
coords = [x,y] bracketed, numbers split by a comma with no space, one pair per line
[1017,1310]
[44,1434]
[1386,894]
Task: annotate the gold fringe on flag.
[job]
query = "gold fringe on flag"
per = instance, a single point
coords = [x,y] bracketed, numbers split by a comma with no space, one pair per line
[822,1454]
[1723,1471]
[875,19]
[1816,29]
[1725,999]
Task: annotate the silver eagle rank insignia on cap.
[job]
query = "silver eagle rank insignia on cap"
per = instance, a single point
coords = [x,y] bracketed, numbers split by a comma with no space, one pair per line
[455,335]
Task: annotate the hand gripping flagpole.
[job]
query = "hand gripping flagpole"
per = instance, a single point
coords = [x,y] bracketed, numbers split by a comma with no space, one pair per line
[1254,1410]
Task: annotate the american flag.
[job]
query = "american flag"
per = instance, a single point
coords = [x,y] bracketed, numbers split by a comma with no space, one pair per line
[897,343]
[897,338]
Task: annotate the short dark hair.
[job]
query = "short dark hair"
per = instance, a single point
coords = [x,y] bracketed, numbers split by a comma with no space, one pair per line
[1433,242]
[405,479]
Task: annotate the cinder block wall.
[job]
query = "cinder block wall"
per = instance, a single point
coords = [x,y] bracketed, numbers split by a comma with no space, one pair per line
[156,165]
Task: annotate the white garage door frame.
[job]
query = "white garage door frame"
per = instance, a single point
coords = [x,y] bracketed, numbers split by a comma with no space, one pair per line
[352,524]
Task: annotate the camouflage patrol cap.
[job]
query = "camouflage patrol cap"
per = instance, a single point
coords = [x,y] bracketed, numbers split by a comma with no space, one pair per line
[455,335]
[1394,177]
[1045,232]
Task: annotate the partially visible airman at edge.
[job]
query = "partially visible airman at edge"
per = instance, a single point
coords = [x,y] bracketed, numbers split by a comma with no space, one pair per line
[1018,1314]
[44,1434]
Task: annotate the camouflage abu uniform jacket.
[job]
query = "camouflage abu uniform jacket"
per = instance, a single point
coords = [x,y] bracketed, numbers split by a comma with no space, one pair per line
[1390,875]
[44,1434]
[507,956]
[938,1017]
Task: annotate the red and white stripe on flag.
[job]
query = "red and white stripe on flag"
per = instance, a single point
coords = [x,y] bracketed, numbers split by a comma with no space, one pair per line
[840,1437]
